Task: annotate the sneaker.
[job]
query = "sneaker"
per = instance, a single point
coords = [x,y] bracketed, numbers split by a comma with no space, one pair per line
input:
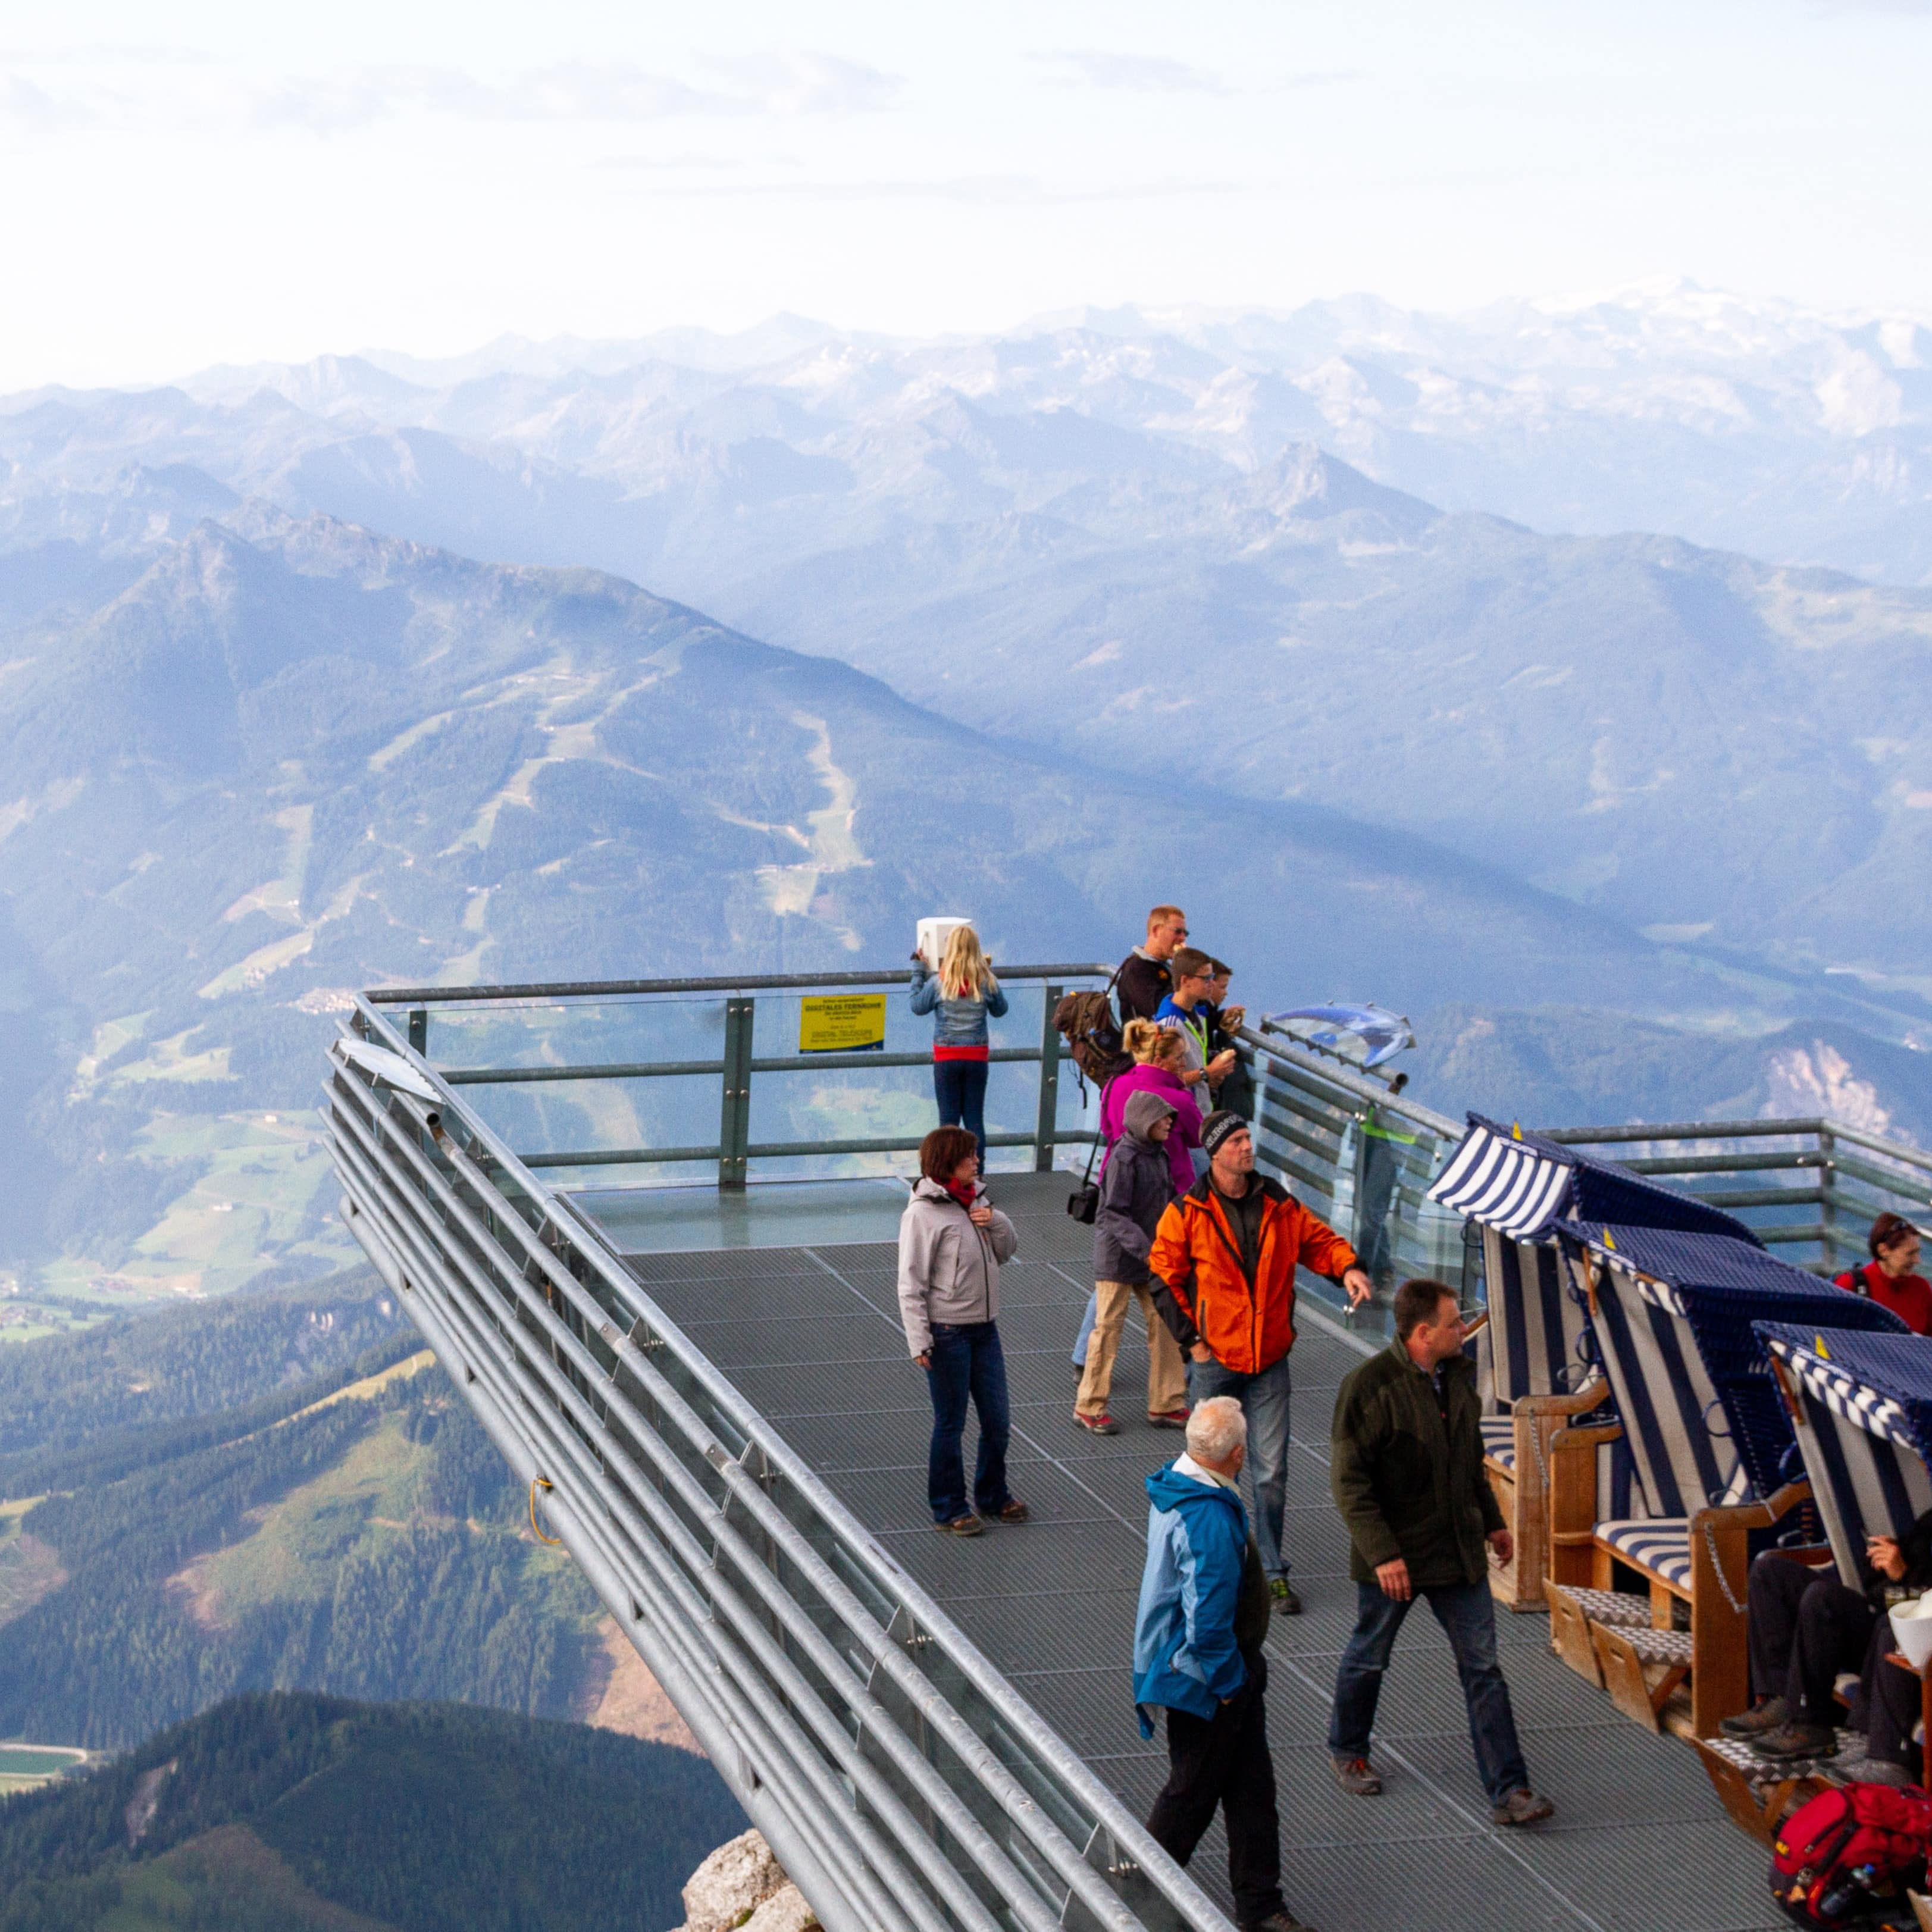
[1521,1807]
[1754,1722]
[961,1526]
[1013,1510]
[1102,1424]
[1286,1602]
[1170,1418]
[1357,1777]
[1283,1921]
[1797,1739]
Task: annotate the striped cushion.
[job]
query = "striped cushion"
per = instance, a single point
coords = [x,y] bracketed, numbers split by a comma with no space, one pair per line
[1662,1547]
[1499,1439]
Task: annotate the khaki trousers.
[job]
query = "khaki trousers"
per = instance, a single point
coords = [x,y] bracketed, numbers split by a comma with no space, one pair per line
[1167,1376]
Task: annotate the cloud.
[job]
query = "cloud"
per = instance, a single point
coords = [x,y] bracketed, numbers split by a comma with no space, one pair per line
[1138,73]
[781,86]
[983,191]
[775,86]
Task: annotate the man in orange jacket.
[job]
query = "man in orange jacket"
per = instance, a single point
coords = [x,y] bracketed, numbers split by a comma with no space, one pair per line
[1222,1274]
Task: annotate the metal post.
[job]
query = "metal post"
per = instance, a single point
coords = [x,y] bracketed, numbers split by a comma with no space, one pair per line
[734,1122]
[1827,1196]
[1048,1119]
[419,1030]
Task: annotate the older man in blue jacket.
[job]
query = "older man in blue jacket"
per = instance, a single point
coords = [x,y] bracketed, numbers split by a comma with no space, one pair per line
[1204,1613]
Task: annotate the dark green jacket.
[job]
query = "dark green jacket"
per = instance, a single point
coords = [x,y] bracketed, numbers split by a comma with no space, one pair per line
[1403,1488]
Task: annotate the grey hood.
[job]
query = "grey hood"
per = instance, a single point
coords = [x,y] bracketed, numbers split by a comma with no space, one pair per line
[1144,1111]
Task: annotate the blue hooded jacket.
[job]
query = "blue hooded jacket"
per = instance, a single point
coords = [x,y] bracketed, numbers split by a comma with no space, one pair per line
[1185,1655]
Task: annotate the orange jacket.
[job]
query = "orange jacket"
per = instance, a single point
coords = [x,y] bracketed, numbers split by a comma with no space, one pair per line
[1197,1258]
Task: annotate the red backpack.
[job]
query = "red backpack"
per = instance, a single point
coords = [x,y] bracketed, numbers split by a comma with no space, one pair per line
[1850,1852]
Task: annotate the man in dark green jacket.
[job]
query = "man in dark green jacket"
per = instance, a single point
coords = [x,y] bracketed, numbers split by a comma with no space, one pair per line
[1406,1467]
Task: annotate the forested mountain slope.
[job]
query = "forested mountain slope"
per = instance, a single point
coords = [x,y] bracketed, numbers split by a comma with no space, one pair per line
[299,1814]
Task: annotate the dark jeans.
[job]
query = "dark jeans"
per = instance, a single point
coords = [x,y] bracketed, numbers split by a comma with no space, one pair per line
[1264,1402]
[960,1087]
[1892,1702]
[1805,1628]
[966,1361]
[1224,1760]
[1468,1615]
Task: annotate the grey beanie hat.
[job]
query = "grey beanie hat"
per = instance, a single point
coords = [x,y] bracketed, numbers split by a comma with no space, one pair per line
[1218,1127]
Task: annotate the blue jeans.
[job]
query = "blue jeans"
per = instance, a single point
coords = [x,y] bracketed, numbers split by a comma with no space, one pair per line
[1264,1399]
[1087,1322]
[1467,1615]
[966,1361]
[960,1087]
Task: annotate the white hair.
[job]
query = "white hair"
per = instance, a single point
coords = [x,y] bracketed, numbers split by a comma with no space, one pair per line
[1216,1429]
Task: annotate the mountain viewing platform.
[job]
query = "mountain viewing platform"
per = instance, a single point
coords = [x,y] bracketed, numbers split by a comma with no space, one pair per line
[649,1228]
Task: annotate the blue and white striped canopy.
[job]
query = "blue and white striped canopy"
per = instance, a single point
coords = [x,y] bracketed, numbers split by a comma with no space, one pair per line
[1520,1183]
[1673,1318]
[1864,1429]
[1515,1186]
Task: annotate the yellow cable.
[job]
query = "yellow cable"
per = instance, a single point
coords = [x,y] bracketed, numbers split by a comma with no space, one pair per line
[538,1483]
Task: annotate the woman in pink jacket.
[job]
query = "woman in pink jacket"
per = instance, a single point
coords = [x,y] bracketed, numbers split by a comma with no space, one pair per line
[1157,1053]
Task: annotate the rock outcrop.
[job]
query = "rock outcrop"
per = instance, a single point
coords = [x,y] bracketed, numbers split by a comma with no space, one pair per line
[741,1888]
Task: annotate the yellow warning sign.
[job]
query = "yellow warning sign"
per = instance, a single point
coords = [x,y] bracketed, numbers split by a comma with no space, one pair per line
[842,1023]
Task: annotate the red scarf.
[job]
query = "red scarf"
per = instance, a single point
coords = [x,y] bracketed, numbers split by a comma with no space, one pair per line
[962,1191]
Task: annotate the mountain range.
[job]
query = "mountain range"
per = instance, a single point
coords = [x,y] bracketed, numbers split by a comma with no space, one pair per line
[313,678]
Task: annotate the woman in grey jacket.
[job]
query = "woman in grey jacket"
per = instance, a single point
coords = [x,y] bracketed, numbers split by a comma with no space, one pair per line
[952,1241]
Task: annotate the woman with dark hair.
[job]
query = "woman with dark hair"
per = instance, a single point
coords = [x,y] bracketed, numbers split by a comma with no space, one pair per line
[1891,1278]
[952,1241]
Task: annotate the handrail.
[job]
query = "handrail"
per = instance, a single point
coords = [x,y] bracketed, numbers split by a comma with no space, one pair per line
[601,989]
[1353,1085]
[553,1330]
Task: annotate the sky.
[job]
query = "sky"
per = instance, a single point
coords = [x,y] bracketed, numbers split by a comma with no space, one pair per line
[201,183]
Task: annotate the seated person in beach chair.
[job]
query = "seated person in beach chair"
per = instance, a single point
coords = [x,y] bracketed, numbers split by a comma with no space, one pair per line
[1807,1630]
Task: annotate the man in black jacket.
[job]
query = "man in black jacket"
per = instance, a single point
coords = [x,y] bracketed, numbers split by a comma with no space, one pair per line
[1405,1463]
[1807,1629]
[1144,980]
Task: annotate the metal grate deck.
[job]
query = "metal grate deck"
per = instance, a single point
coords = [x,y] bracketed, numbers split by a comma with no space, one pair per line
[811,1335]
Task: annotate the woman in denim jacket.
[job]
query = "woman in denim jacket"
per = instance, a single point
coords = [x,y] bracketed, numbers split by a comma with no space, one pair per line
[961,997]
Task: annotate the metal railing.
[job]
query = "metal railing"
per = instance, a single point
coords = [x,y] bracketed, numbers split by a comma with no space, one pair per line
[897,1774]
[1362,1157]
[736,1064]
[1846,1175]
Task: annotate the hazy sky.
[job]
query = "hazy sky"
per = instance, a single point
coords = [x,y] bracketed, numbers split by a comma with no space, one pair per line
[200,183]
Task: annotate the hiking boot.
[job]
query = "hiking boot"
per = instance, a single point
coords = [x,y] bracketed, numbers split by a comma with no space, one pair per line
[1521,1807]
[1170,1418]
[1012,1511]
[961,1526]
[1357,1777]
[1797,1739]
[1286,1602]
[1768,1716]
[1283,1921]
[1102,1424]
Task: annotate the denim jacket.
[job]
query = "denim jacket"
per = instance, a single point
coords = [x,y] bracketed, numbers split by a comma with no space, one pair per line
[956,1022]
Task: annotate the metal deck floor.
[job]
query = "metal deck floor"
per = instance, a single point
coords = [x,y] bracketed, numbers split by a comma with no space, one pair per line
[811,1334]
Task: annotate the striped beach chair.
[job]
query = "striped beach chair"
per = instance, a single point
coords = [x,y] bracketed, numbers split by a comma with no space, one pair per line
[1861,1404]
[1712,1448]
[1536,1359]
